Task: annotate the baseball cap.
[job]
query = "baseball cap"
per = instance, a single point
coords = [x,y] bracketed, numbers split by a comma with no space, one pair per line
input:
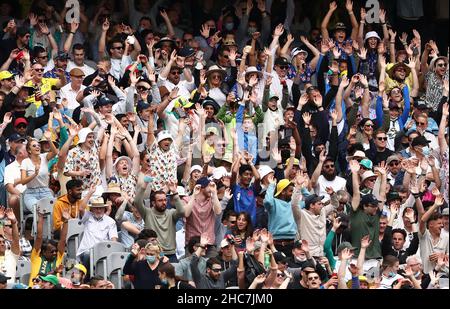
[61,56]
[50,278]
[5,75]
[393,158]
[103,101]
[313,198]
[345,245]
[357,154]
[280,257]
[369,199]
[366,163]
[340,26]
[296,161]
[281,61]
[16,137]
[186,52]
[141,105]
[393,195]
[164,134]
[420,141]
[20,120]
[219,172]
[224,243]
[445,212]
[212,130]
[308,264]
[203,182]
[421,105]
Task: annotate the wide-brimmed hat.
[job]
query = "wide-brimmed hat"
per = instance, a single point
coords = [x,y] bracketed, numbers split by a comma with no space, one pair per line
[216,69]
[213,103]
[392,69]
[129,162]
[264,170]
[163,135]
[371,34]
[251,70]
[357,154]
[83,133]
[298,50]
[97,202]
[163,40]
[367,175]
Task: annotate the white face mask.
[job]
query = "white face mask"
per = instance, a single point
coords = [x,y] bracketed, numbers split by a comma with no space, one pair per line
[55,175]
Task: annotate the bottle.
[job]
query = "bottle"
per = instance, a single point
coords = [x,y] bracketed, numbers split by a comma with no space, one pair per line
[266,260]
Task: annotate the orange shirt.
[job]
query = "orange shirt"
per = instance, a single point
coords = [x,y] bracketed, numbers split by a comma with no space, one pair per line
[61,204]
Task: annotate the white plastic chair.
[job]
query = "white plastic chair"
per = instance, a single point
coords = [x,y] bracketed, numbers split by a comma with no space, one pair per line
[22,268]
[46,207]
[115,262]
[25,215]
[98,255]
[74,231]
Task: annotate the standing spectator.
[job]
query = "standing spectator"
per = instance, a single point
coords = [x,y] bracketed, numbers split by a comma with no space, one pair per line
[9,257]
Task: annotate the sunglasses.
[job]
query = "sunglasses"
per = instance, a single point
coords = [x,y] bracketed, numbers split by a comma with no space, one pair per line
[313,278]
[421,123]
[221,145]
[216,270]
[225,56]
[39,70]
[368,125]
[372,179]
[281,275]
[8,225]
[142,88]
[284,67]
[394,163]
[175,72]
[232,222]
[216,76]
[382,138]
[36,146]
[441,65]
[329,166]
[395,91]
[117,47]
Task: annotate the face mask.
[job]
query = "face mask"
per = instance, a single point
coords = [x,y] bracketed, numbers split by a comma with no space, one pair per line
[301,258]
[55,175]
[391,274]
[426,151]
[151,259]
[251,30]
[229,26]
[406,145]
[164,281]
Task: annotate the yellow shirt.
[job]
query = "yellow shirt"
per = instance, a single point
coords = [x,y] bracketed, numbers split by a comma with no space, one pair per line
[36,262]
[46,86]
[390,83]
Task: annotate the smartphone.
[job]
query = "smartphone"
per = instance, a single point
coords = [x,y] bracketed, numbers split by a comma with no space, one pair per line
[130,40]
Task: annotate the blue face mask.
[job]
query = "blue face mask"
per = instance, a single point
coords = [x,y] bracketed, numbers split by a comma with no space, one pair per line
[391,274]
[426,151]
[164,281]
[229,26]
[151,259]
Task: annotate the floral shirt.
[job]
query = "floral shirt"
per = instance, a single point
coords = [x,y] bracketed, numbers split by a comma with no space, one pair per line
[127,184]
[434,89]
[163,166]
[78,160]
[444,173]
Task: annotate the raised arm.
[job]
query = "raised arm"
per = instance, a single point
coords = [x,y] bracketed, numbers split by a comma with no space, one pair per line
[68,43]
[351,14]
[356,198]
[326,21]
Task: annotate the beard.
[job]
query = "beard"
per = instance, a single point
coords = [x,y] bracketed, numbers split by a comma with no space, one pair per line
[330,177]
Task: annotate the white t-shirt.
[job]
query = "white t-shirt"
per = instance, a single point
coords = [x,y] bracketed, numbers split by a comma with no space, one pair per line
[85,68]
[184,87]
[118,66]
[8,265]
[42,179]
[337,184]
[68,93]
[12,173]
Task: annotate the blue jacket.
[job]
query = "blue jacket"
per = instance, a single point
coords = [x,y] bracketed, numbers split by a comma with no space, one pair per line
[403,119]
[251,145]
[281,219]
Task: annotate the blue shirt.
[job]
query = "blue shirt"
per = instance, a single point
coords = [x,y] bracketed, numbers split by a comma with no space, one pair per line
[245,200]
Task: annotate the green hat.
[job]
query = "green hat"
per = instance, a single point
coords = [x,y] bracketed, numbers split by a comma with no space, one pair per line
[50,278]
[366,163]
[183,102]
[392,196]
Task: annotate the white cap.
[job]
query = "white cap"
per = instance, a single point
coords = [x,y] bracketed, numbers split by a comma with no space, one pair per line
[219,172]
[224,243]
[357,154]
[195,168]
[264,170]
[83,133]
[181,191]
[367,175]
[372,34]
[164,135]
[297,51]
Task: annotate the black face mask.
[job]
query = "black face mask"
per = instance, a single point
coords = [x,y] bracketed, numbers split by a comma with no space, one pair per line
[405,145]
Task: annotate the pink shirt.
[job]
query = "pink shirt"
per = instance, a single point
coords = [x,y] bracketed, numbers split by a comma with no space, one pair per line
[201,221]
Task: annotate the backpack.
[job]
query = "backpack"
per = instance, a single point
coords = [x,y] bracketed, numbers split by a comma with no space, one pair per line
[252,268]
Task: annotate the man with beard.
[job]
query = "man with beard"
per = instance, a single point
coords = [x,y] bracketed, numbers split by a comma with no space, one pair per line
[393,164]
[325,176]
[281,219]
[378,151]
[70,203]
[60,64]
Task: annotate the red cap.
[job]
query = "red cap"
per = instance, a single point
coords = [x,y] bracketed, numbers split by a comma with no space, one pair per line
[19,121]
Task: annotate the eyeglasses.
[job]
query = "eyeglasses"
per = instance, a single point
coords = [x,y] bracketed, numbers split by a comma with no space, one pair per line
[117,47]
[175,72]
[382,138]
[329,166]
[313,278]
[395,91]
[372,179]
[35,145]
[39,70]
[394,163]
[216,76]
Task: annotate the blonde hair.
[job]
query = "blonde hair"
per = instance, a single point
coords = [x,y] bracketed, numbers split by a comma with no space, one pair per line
[153,247]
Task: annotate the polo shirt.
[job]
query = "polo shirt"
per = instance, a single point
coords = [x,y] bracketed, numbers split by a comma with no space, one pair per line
[245,200]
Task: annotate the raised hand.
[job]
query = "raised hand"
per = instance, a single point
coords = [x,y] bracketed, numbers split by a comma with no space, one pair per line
[260,279]
[276,155]
[354,166]
[365,242]
[318,100]
[197,190]
[382,15]
[306,118]
[354,270]
[404,38]
[336,53]
[410,215]
[336,223]
[279,30]
[346,254]
[227,194]
[333,6]
[349,5]
[10,215]
[362,53]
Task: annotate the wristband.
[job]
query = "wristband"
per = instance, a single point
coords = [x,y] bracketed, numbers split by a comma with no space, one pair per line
[416,195]
[72,32]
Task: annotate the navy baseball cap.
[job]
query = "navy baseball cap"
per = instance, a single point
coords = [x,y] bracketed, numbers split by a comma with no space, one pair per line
[203,182]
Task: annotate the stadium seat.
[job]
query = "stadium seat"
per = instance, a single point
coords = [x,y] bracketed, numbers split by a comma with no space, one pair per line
[115,262]
[98,256]
[74,232]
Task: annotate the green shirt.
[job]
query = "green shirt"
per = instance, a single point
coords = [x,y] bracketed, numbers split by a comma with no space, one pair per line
[363,224]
